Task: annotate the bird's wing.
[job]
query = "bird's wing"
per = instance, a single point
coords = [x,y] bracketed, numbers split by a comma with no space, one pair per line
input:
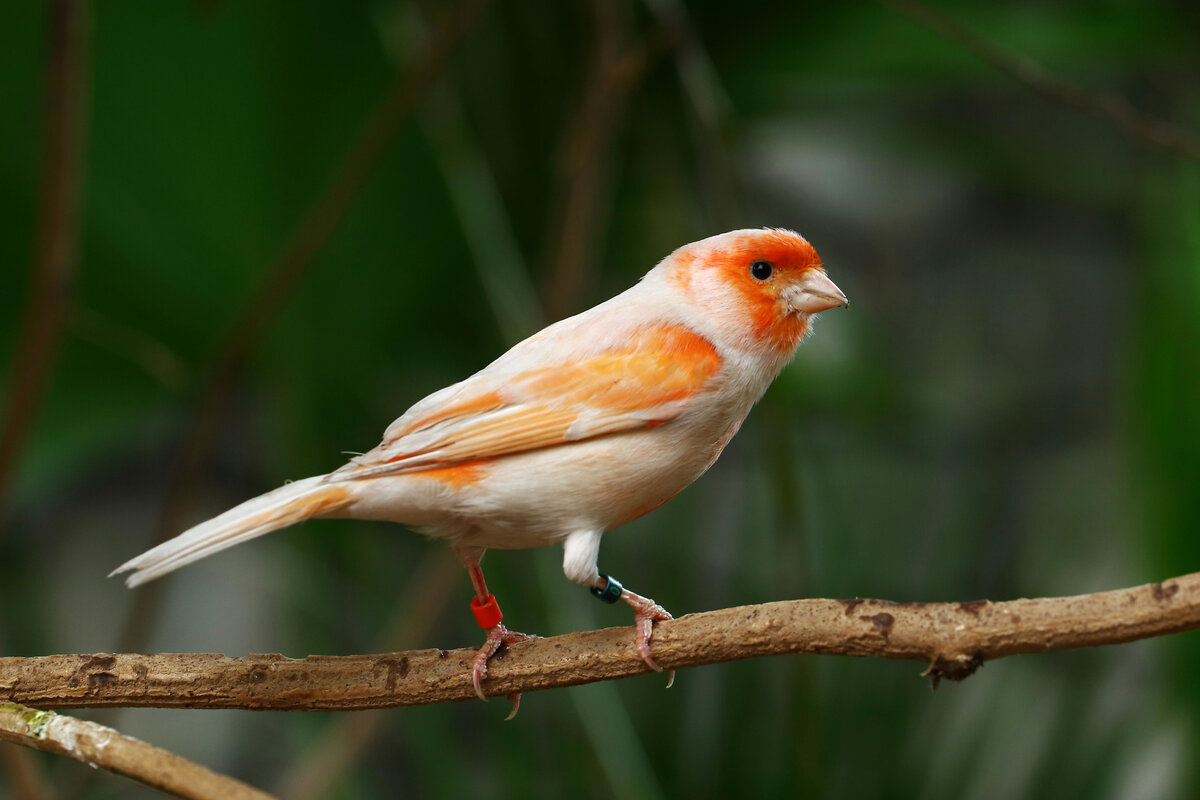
[646,379]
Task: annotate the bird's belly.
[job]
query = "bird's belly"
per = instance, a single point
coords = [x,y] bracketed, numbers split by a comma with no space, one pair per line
[538,497]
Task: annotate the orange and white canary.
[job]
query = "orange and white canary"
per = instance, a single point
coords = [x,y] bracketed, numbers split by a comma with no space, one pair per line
[584,426]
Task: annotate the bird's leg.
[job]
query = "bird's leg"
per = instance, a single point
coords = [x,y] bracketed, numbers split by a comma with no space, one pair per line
[645,613]
[488,615]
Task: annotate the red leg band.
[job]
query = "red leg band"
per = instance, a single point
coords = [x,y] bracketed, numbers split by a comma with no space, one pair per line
[487,613]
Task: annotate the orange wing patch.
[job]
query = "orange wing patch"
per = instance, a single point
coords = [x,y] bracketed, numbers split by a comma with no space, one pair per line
[456,475]
[659,365]
[646,381]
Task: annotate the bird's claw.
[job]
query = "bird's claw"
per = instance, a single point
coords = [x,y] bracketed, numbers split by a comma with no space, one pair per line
[515,699]
[646,612]
[496,636]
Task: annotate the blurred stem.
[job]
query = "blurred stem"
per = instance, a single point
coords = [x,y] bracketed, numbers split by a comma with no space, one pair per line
[56,250]
[64,124]
[1109,108]
[1162,409]
[474,195]
[709,106]
[298,254]
[153,357]
[480,210]
[615,70]
[284,274]
[25,781]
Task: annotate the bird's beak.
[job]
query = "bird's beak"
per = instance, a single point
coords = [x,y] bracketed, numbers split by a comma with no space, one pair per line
[815,292]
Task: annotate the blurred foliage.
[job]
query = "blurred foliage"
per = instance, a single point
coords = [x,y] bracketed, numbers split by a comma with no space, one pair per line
[1010,407]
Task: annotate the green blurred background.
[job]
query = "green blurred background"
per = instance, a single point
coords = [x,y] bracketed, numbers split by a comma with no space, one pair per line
[1010,407]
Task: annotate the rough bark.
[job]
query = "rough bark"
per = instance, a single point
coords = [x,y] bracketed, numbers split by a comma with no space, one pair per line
[952,639]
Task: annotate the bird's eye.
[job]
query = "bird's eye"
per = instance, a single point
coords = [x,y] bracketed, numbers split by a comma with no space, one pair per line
[761,270]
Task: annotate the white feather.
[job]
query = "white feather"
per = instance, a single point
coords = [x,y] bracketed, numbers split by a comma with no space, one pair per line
[277,509]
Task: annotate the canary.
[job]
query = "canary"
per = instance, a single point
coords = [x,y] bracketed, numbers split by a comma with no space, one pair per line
[586,425]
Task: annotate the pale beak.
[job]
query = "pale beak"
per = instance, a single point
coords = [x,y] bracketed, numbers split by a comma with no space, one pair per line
[815,292]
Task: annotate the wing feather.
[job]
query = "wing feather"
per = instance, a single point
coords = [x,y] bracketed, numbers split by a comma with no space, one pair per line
[645,380]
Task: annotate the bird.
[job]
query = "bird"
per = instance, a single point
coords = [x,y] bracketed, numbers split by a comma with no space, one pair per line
[584,426]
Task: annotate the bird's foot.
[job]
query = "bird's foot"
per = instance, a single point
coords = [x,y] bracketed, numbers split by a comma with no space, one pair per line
[496,636]
[646,612]
[488,615]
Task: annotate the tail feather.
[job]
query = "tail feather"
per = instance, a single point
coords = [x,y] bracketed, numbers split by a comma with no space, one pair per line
[284,506]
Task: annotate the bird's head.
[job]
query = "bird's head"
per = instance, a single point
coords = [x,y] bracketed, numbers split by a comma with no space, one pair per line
[757,287]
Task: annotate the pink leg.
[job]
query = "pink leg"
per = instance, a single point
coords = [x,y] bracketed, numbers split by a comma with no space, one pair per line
[476,573]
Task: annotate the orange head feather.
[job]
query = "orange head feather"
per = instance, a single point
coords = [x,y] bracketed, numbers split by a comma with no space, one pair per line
[761,284]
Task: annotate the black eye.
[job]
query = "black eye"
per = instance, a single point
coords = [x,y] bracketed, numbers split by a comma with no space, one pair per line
[761,270]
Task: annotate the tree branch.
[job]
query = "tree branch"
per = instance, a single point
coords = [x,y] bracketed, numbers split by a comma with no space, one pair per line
[953,639]
[101,746]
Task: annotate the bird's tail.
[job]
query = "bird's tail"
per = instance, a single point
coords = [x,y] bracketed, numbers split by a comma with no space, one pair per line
[285,506]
